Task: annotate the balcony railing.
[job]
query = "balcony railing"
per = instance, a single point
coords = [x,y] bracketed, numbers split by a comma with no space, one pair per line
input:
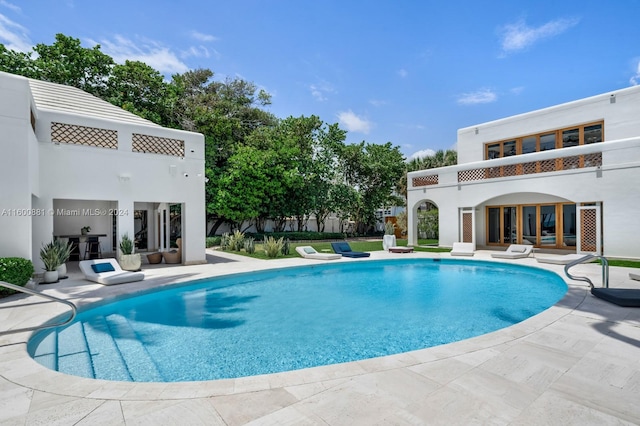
[595,155]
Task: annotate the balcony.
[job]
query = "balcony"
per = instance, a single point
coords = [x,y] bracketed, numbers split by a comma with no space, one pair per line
[566,160]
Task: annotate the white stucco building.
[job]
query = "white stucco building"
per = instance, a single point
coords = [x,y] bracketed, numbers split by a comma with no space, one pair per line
[565,177]
[71,160]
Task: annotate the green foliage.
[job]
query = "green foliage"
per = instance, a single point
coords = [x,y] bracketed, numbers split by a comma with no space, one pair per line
[401,221]
[299,236]
[213,241]
[273,247]
[249,245]
[50,256]
[225,241]
[64,249]
[389,228]
[236,241]
[126,245]
[286,247]
[14,270]
[428,224]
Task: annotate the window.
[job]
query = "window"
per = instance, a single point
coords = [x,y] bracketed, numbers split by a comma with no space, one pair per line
[542,225]
[562,138]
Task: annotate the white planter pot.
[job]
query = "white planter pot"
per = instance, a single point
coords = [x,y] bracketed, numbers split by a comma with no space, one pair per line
[50,277]
[130,262]
[388,241]
[62,271]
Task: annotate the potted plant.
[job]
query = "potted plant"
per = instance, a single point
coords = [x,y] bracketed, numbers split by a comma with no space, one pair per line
[129,261]
[389,238]
[64,252]
[85,230]
[51,260]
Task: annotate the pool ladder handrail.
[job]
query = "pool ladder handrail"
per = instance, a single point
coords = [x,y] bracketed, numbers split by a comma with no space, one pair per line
[605,269]
[73,307]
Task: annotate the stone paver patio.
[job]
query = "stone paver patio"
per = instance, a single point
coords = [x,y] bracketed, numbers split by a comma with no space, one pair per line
[575,363]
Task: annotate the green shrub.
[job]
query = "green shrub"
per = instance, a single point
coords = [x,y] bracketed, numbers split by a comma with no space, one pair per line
[224,241]
[64,249]
[285,247]
[50,256]
[389,228]
[249,245]
[298,236]
[126,245]
[273,247]
[213,241]
[14,270]
[236,242]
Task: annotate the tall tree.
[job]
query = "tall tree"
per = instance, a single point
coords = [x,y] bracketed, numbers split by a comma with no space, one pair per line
[374,171]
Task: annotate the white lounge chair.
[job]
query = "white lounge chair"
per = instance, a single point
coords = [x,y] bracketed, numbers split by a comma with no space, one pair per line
[309,252]
[108,272]
[634,276]
[558,259]
[462,249]
[514,251]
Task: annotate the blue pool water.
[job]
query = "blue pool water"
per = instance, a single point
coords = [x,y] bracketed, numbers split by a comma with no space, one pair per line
[294,318]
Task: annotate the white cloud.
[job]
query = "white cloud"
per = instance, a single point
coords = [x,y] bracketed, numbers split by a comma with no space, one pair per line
[519,36]
[13,35]
[10,6]
[482,96]
[635,80]
[198,52]
[517,90]
[377,102]
[402,73]
[421,154]
[321,90]
[148,51]
[203,37]
[353,123]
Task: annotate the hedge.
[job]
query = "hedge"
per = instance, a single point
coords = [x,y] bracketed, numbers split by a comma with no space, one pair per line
[14,270]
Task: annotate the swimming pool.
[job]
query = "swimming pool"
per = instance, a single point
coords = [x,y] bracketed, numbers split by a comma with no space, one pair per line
[288,319]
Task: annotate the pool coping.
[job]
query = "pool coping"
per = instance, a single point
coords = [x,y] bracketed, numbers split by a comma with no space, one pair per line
[18,368]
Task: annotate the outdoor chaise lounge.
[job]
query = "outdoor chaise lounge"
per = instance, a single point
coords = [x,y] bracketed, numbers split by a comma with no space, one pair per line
[559,259]
[309,252]
[634,276]
[462,249]
[514,251]
[107,272]
[343,248]
[400,249]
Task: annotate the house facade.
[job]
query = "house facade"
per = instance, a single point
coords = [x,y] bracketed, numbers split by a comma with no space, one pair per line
[71,161]
[562,178]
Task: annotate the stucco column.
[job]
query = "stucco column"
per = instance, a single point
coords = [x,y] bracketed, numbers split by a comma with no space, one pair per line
[193,228]
[124,222]
[412,223]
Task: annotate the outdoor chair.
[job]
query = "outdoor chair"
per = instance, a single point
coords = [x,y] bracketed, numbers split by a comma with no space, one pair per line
[462,249]
[107,272]
[343,248]
[309,252]
[514,251]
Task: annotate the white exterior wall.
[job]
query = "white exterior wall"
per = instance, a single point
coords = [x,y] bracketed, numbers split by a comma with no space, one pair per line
[614,184]
[38,174]
[17,172]
[620,118]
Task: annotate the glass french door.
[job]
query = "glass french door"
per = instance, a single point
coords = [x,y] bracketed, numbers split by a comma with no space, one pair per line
[502,225]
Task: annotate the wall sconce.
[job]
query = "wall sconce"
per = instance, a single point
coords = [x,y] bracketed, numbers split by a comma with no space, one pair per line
[172,169]
[612,98]
[124,177]
[477,131]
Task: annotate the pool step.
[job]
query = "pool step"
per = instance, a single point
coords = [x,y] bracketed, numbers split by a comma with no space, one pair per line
[108,363]
[73,352]
[140,365]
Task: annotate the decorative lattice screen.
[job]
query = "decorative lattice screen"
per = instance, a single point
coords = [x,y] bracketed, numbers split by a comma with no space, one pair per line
[82,135]
[467,227]
[157,145]
[588,230]
[425,180]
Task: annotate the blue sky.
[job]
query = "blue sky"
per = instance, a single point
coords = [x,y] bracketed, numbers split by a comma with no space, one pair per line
[406,72]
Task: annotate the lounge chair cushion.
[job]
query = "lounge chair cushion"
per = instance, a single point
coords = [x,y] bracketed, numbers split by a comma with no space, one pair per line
[102,267]
[514,251]
[518,249]
[344,249]
[462,249]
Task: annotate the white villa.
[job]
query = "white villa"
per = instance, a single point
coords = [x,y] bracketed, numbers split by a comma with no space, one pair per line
[565,177]
[71,160]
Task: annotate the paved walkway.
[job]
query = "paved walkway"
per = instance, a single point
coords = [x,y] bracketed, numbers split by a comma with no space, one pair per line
[575,363]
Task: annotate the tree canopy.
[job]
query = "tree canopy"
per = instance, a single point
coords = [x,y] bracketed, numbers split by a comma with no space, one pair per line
[258,166]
